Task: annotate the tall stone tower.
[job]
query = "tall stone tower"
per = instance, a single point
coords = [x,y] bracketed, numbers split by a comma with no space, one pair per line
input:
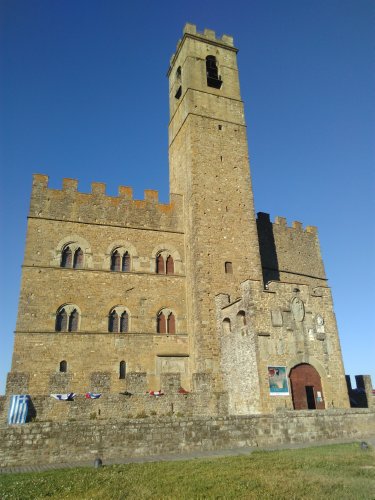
[209,166]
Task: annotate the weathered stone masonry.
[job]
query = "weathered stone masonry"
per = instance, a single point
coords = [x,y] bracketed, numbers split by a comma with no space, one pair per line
[46,443]
[133,295]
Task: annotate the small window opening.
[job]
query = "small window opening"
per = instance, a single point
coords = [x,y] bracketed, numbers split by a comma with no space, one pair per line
[160,264]
[78,259]
[113,322]
[171,323]
[161,324]
[213,78]
[226,325]
[170,265]
[228,268]
[115,261]
[126,262]
[241,318]
[66,258]
[73,321]
[220,127]
[124,322]
[61,321]
[63,366]
[178,93]
[122,370]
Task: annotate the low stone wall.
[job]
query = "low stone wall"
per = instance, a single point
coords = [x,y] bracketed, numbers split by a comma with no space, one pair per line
[119,407]
[84,440]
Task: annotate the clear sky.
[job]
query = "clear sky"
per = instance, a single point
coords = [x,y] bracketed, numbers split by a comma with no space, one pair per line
[84,94]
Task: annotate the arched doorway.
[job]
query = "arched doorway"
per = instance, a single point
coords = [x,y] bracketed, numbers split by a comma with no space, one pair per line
[306,388]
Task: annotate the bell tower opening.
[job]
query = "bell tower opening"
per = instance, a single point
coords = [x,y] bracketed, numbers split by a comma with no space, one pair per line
[213,78]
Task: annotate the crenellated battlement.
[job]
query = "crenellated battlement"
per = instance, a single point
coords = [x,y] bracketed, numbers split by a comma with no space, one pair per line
[289,250]
[282,222]
[99,208]
[190,30]
[207,34]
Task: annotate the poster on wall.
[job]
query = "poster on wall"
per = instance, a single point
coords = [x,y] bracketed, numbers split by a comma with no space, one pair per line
[278,381]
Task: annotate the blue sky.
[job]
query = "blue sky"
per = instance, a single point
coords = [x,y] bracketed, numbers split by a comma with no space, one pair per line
[84,94]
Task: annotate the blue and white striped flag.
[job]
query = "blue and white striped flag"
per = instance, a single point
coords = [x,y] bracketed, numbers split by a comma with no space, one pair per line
[19,405]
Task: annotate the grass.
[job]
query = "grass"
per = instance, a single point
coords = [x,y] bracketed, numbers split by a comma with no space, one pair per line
[327,472]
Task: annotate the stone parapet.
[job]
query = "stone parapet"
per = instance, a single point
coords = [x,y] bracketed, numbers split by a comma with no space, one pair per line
[289,253]
[96,207]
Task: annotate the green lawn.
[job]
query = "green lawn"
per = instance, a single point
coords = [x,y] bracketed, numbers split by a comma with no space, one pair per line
[326,472]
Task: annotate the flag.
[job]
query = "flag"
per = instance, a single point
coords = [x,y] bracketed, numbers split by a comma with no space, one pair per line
[64,397]
[19,405]
[92,395]
[156,393]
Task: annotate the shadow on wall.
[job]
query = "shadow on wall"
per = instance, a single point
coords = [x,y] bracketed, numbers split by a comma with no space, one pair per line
[31,413]
[267,247]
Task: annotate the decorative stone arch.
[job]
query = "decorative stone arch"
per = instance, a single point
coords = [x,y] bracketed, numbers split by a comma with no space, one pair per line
[122,247]
[169,314]
[74,242]
[165,250]
[304,358]
[69,308]
[120,309]
[308,383]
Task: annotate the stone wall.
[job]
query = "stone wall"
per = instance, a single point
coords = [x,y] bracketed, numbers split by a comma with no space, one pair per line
[97,224]
[276,333]
[97,208]
[289,254]
[134,401]
[84,440]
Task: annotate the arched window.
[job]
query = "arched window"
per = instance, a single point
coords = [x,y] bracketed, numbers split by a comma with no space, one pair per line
[66,257]
[118,320]
[161,323]
[63,366]
[113,322]
[78,259]
[122,370]
[226,325]
[67,319]
[241,318]
[171,325]
[212,72]
[166,322]
[170,265]
[73,321]
[115,261]
[228,268]
[160,264]
[124,322]
[126,262]
[61,321]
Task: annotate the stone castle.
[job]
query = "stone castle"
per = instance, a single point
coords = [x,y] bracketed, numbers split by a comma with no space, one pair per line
[197,296]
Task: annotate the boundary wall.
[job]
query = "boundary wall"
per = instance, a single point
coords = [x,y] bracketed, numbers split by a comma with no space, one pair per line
[44,443]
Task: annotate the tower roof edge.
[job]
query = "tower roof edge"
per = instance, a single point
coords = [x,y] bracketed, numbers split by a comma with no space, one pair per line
[208,36]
